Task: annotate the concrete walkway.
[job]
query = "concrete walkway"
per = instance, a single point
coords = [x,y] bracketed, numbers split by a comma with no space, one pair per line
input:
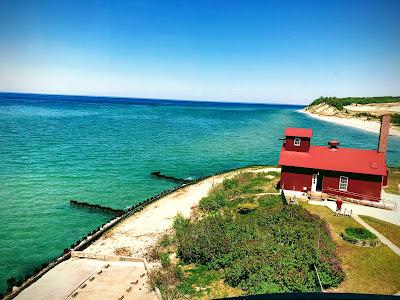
[383,239]
[391,216]
[91,278]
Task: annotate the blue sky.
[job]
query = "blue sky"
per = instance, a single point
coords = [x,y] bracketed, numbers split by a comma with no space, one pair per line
[247,51]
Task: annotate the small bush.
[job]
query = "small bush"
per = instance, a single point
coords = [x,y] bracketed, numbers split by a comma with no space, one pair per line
[179,272]
[180,224]
[396,119]
[360,237]
[165,260]
[214,201]
[153,253]
[360,233]
[244,208]
[165,240]
[165,279]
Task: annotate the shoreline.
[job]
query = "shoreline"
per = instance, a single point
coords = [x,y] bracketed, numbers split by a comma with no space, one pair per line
[148,225]
[366,125]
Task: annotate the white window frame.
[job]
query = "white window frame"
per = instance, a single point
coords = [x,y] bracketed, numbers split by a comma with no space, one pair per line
[343,183]
[297,142]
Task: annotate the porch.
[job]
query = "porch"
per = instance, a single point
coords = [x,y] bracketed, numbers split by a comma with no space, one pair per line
[386,202]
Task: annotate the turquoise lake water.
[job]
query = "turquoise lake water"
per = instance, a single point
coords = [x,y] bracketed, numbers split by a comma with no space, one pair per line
[102,150]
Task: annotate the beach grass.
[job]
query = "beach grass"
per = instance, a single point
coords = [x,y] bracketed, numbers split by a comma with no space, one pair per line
[390,231]
[368,270]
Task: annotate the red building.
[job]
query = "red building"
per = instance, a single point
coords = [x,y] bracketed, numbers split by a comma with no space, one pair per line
[348,172]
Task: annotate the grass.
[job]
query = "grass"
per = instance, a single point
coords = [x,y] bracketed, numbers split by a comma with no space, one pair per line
[196,280]
[368,270]
[390,231]
[393,181]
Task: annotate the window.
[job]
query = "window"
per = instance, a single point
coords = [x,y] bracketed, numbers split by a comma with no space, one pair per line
[343,183]
[297,141]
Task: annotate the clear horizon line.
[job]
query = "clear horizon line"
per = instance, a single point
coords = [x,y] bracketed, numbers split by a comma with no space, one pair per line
[165,99]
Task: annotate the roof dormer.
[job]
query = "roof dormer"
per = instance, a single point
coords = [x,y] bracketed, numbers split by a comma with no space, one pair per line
[297,139]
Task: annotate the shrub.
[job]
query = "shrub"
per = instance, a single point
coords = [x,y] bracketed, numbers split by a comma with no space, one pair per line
[258,245]
[204,240]
[244,208]
[396,119]
[214,201]
[180,224]
[360,233]
[360,236]
[165,240]
[287,237]
[179,272]
[165,260]
[165,279]
[153,253]
[243,184]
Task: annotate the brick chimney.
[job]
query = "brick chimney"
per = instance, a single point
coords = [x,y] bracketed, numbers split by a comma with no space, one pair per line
[384,133]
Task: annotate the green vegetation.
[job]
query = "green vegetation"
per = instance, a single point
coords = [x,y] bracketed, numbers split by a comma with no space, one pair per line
[393,181]
[362,265]
[360,236]
[165,240]
[367,115]
[390,231]
[244,241]
[244,208]
[359,233]
[165,260]
[396,119]
[340,102]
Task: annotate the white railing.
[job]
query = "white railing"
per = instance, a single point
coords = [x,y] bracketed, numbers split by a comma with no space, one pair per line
[366,200]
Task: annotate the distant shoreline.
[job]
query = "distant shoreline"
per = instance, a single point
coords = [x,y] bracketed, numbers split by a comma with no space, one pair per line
[367,125]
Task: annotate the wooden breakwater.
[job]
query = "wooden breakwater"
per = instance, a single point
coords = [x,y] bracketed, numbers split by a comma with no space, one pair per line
[91,237]
[106,209]
[170,178]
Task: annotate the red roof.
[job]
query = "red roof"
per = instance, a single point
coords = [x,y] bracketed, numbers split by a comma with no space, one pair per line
[341,159]
[300,132]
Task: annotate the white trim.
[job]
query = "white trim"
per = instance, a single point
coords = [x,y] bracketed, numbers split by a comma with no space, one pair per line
[343,183]
[314,181]
[297,142]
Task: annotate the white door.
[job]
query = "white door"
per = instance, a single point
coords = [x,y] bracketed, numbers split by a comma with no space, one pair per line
[314,182]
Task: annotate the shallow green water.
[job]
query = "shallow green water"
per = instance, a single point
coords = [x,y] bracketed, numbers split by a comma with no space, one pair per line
[102,150]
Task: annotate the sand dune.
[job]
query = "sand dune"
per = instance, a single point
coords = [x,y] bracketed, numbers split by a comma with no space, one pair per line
[355,122]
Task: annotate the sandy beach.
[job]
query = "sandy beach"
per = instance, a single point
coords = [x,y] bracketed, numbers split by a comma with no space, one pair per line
[135,235]
[368,125]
